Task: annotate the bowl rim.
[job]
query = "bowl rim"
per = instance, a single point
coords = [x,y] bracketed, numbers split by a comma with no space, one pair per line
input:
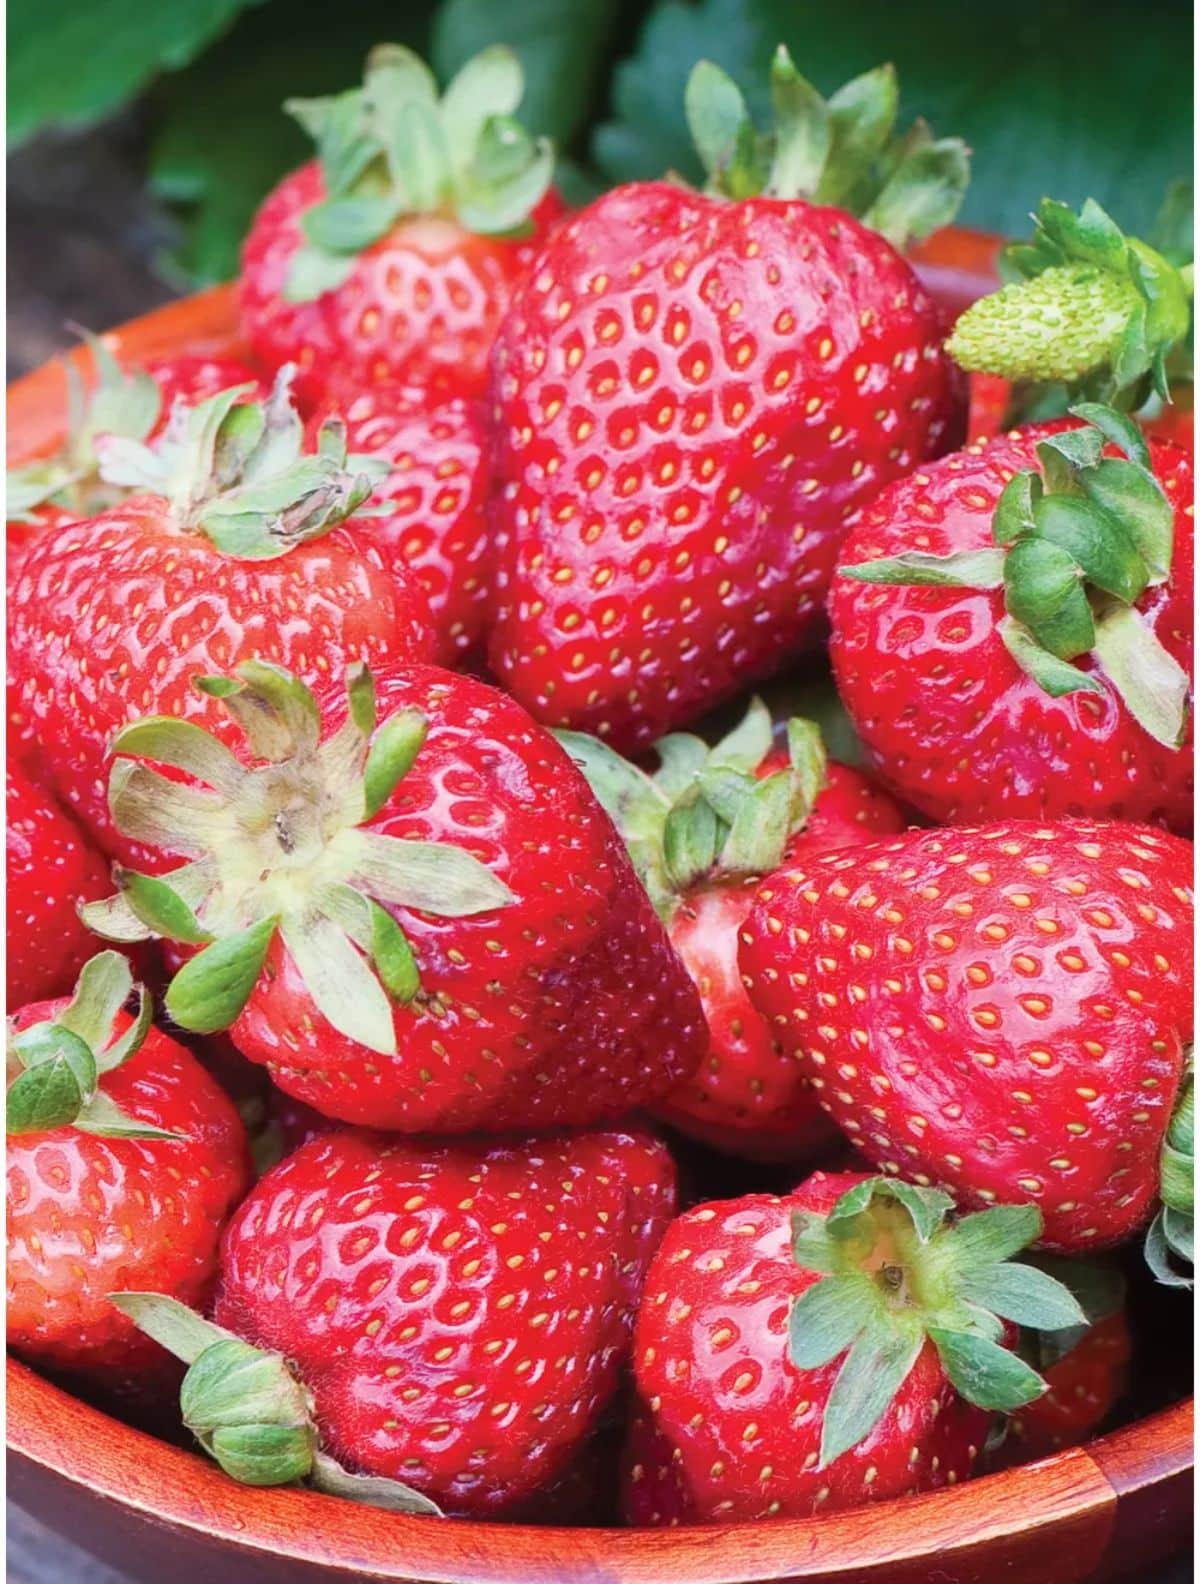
[164,1484]
[49,1429]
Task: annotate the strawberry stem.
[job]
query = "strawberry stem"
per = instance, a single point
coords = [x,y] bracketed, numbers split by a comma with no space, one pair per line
[1076,546]
[1090,307]
[282,849]
[841,151]
[897,1269]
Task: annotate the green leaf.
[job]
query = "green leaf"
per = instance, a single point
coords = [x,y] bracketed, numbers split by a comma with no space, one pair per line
[979,569]
[221,140]
[347,225]
[747,745]
[562,46]
[59,1076]
[759,833]
[1133,497]
[1097,543]
[1159,1253]
[105,1118]
[986,1374]
[162,909]
[430,877]
[1116,125]
[332,1479]
[813,1248]
[804,129]
[991,1235]
[171,1324]
[827,1316]
[1014,510]
[1152,683]
[209,992]
[395,746]
[1056,677]
[875,1369]
[393,956]
[692,838]
[340,981]
[1022,1293]
[1117,427]
[102,989]
[634,803]
[69,64]
[927,1207]
[1044,592]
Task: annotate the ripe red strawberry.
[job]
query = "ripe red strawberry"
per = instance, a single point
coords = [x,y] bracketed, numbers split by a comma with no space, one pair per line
[700,831]
[132,403]
[691,396]
[458,1314]
[234,548]
[434,499]
[1002,1011]
[124,1158]
[840,1345]
[50,868]
[1012,627]
[393,256]
[426,925]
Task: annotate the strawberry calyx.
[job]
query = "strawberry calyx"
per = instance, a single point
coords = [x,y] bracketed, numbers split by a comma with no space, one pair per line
[842,151]
[283,847]
[55,1065]
[898,1270]
[1076,545]
[704,813]
[250,1413]
[237,472]
[394,148]
[128,404]
[1086,306]
[1170,1239]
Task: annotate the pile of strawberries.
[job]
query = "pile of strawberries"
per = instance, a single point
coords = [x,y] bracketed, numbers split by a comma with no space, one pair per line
[379,933]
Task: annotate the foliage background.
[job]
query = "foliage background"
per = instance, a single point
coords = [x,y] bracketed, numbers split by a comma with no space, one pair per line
[1071,97]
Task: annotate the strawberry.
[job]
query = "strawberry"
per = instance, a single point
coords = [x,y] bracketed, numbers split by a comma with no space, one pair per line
[434,499]
[1001,1011]
[124,1159]
[1012,627]
[700,831]
[1085,1369]
[425,924]
[232,549]
[839,1345]
[1089,309]
[133,404]
[453,1316]
[691,396]
[50,868]
[393,256]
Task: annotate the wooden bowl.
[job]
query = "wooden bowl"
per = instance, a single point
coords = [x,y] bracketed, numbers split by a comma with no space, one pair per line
[1103,1512]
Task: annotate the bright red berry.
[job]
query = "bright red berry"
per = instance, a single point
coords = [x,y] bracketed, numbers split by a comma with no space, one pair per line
[456,1315]
[413,912]
[701,831]
[1002,1011]
[691,396]
[801,1354]
[50,868]
[124,1158]
[435,499]
[115,616]
[989,672]
[389,257]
